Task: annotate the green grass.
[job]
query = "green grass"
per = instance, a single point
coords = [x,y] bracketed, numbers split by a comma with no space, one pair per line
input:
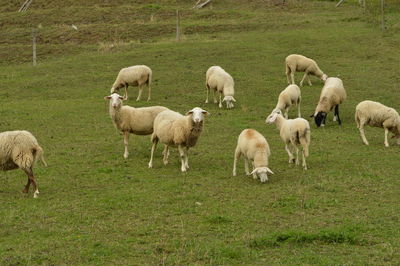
[97,208]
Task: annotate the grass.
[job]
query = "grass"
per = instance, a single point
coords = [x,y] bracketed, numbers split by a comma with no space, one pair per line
[97,208]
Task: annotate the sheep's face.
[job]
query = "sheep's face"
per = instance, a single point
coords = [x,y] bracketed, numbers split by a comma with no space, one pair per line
[229,101]
[272,117]
[115,100]
[319,118]
[262,173]
[197,114]
[324,77]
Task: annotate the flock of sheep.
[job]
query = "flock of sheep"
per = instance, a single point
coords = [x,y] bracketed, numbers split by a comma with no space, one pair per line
[20,149]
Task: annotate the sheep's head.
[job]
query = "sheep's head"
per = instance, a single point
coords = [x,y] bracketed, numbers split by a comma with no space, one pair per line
[272,117]
[262,173]
[115,100]
[319,118]
[324,77]
[197,114]
[229,101]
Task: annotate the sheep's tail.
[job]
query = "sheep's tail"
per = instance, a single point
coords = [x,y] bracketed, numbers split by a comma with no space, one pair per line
[39,155]
[287,68]
[357,119]
[149,78]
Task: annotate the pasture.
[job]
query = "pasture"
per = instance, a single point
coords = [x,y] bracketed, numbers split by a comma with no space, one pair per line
[96,208]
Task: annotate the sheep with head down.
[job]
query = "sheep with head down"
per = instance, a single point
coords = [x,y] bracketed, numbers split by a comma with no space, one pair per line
[300,63]
[177,130]
[218,80]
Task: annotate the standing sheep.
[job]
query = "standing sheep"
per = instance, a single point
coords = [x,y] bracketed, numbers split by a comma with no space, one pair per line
[332,94]
[127,119]
[289,96]
[20,149]
[174,129]
[220,81]
[377,115]
[300,63]
[292,131]
[133,76]
[254,147]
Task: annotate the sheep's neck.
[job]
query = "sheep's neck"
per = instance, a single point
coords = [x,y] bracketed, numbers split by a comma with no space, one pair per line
[116,116]
[260,159]
[279,121]
[194,132]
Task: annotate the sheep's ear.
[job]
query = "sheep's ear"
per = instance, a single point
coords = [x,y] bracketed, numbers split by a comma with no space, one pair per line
[189,112]
[254,171]
[107,98]
[205,112]
[122,98]
[269,171]
[273,117]
[233,99]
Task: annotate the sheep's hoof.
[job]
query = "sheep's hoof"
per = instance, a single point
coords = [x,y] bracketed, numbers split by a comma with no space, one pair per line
[264,180]
[36,195]
[150,165]
[126,155]
[233,174]
[386,145]
[25,191]
[292,160]
[165,162]
[206,101]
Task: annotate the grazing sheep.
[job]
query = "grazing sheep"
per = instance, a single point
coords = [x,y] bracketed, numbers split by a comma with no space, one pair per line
[292,131]
[300,63]
[332,94]
[133,76]
[127,119]
[219,80]
[289,96]
[255,148]
[20,149]
[174,129]
[377,115]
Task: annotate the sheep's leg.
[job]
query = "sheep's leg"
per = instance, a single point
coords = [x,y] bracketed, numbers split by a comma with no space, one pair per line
[140,93]
[287,74]
[254,174]
[304,160]
[153,147]
[149,97]
[362,133]
[220,100]
[187,158]
[246,166]
[286,112]
[126,92]
[126,140]
[208,92]
[337,114]
[292,75]
[31,180]
[26,188]
[386,137]
[215,98]
[182,155]
[298,109]
[166,154]
[309,80]
[297,155]
[304,77]
[235,158]
[291,157]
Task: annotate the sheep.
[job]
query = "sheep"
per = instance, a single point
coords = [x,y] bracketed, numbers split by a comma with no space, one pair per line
[127,119]
[292,131]
[20,149]
[377,115]
[289,96]
[174,129]
[300,63]
[255,148]
[219,80]
[133,76]
[332,94]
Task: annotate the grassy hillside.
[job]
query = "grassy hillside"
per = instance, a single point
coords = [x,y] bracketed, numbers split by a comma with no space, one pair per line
[97,208]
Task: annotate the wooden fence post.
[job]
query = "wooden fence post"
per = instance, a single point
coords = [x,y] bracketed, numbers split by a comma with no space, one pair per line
[383,14]
[34,46]
[178,30]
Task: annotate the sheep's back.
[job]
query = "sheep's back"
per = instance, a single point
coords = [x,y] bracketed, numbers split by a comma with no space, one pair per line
[250,141]
[376,113]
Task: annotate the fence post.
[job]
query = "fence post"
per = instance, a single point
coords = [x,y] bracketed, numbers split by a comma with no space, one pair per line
[34,46]
[383,14]
[178,33]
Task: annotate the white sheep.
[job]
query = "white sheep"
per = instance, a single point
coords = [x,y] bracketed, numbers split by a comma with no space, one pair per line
[133,76]
[127,119]
[174,129]
[220,81]
[300,63]
[332,94]
[289,96]
[254,147]
[295,132]
[20,149]
[377,115]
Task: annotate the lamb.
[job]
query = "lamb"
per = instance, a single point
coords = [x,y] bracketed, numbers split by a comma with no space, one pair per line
[174,129]
[292,131]
[289,96]
[127,119]
[377,115]
[254,147]
[219,80]
[332,94]
[133,76]
[300,63]
[20,149]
